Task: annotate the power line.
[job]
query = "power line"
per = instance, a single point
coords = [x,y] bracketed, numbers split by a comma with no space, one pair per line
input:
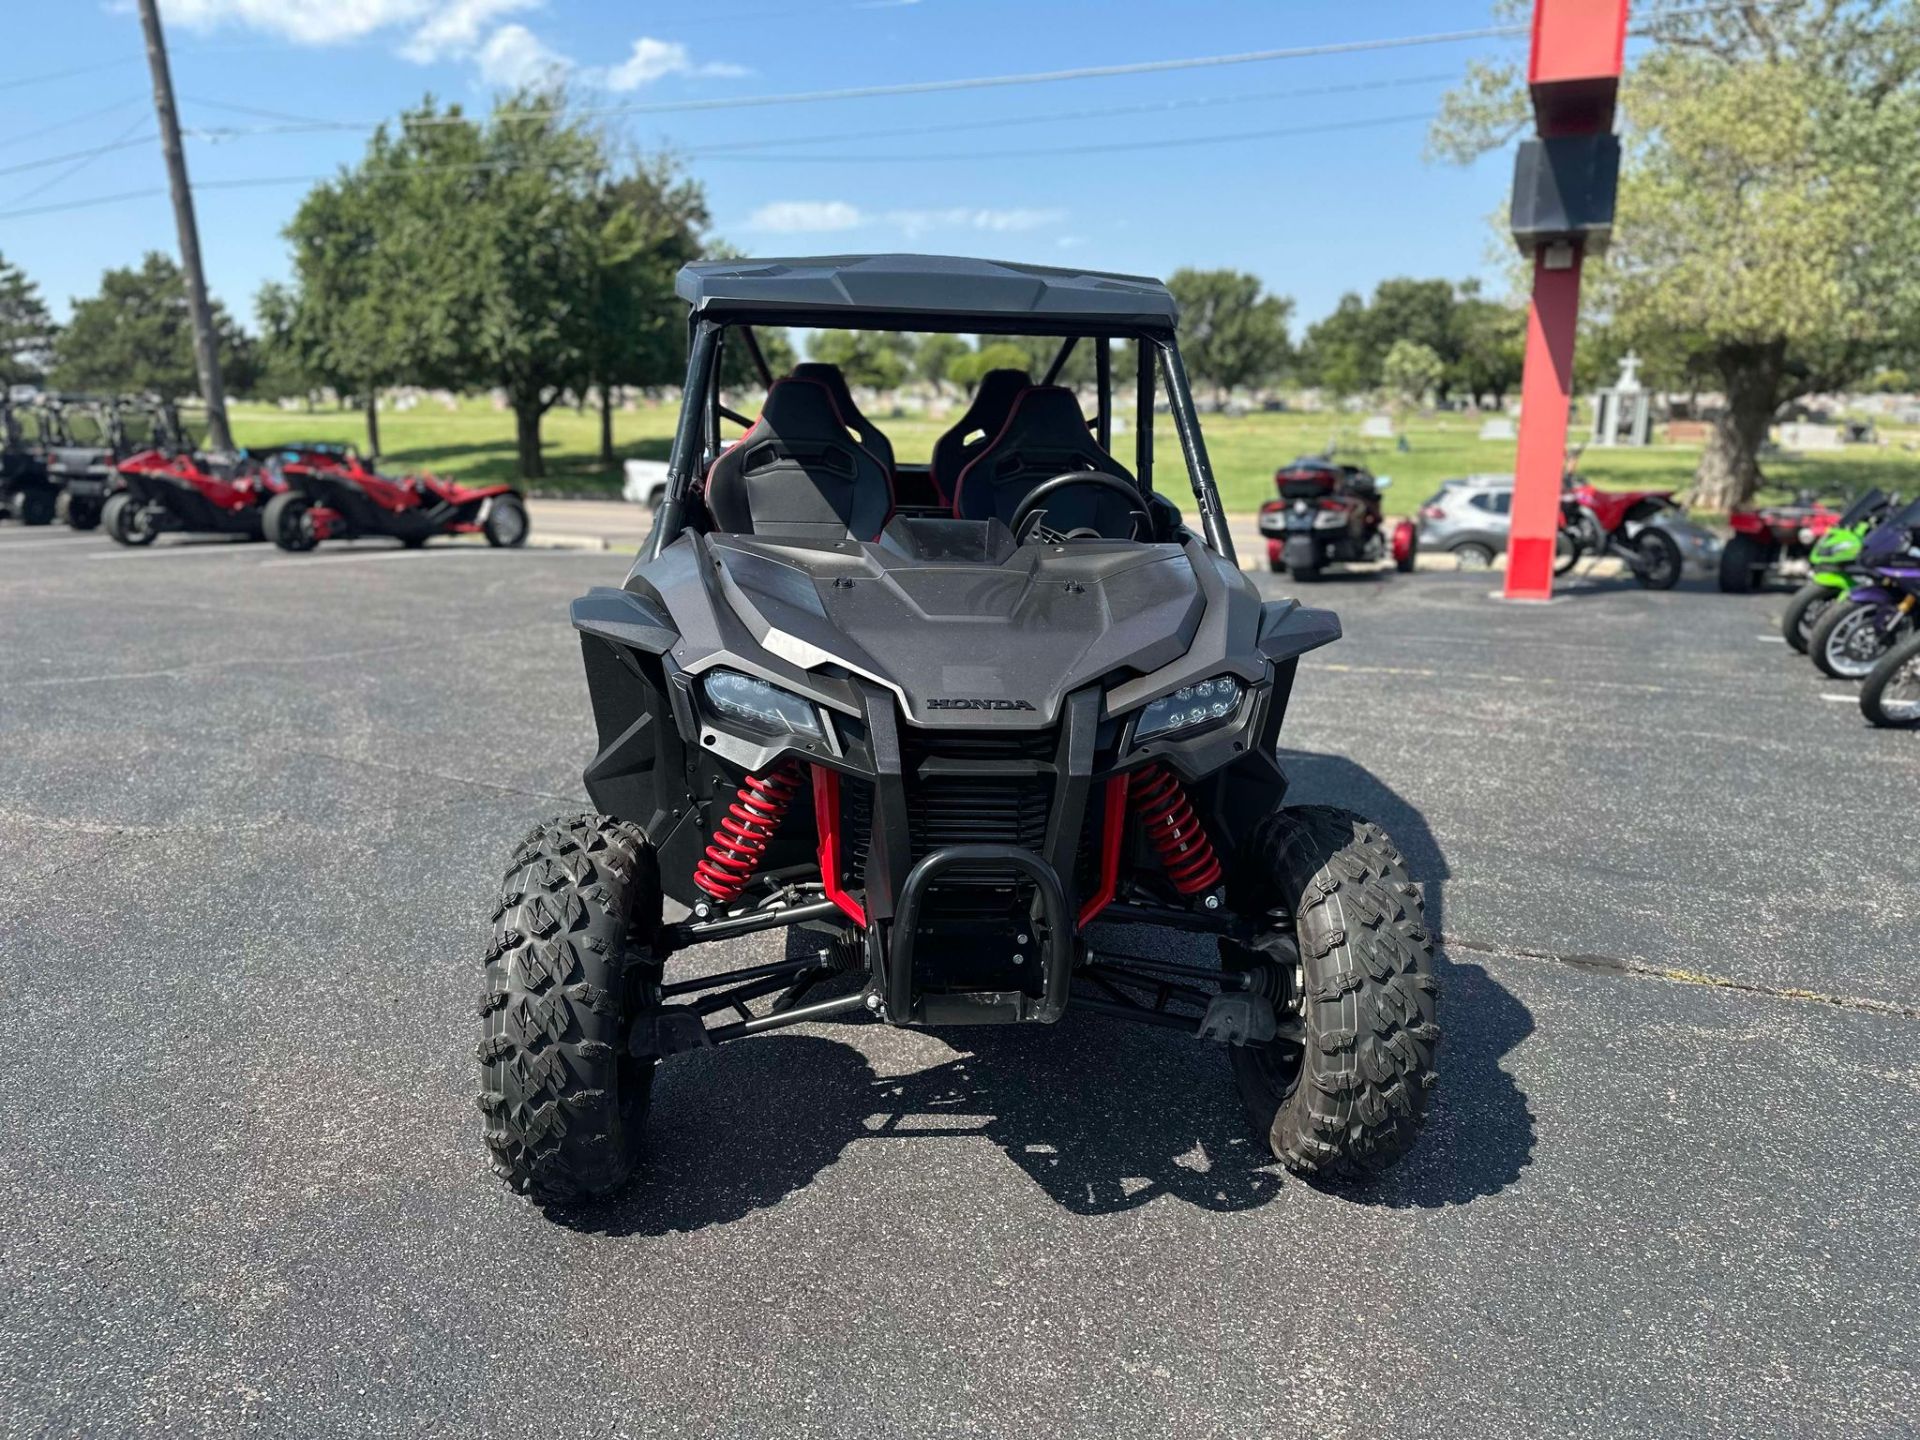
[255,181]
[74,120]
[1105,147]
[1101,112]
[85,159]
[90,154]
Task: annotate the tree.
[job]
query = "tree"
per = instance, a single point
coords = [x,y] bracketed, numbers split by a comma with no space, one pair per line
[1337,352]
[737,370]
[651,227]
[1489,344]
[879,359]
[1232,332]
[26,329]
[1768,221]
[283,372]
[136,336]
[968,369]
[935,352]
[1412,371]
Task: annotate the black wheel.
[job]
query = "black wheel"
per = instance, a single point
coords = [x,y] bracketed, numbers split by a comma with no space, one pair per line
[287,521]
[38,506]
[1473,555]
[1851,638]
[506,524]
[83,514]
[1804,610]
[126,520]
[414,542]
[1342,1090]
[1890,695]
[570,966]
[1566,552]
[1743,564]
[1306,574]
[1659,567]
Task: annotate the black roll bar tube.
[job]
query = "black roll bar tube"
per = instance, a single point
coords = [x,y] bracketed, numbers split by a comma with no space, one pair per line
[1213,522]
[683,463]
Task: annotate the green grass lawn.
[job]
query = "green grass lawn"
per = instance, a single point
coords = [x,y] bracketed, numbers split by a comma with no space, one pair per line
[475,442]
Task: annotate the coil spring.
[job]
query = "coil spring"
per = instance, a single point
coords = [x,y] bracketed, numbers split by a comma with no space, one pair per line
[1162,805]
[740,840]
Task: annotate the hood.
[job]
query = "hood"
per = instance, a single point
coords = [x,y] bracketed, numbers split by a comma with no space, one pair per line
[970,630]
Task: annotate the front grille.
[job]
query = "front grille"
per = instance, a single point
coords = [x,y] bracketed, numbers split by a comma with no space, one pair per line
[973,789]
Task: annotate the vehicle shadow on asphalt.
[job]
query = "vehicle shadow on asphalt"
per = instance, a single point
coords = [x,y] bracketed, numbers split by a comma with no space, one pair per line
[1103,1115]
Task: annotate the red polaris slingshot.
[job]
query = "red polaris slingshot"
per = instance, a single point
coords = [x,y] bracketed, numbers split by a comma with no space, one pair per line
[341,497]
[205,494]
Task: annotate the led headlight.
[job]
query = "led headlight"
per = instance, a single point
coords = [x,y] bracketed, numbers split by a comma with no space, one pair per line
[1191,706]
[756,705]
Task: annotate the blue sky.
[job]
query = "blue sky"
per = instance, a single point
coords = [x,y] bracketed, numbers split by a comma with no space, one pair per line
[1314,213]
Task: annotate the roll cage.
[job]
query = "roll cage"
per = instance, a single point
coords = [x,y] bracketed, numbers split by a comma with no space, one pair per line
[918,294]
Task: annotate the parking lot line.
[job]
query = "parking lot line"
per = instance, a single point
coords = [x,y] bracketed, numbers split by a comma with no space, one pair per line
[1850,699]
[204,551]
[365,557]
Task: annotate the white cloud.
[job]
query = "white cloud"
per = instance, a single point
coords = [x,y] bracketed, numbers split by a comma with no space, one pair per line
[794,217]
[306,22]
[653,60]
[514,56]
[816,216]
[453,30]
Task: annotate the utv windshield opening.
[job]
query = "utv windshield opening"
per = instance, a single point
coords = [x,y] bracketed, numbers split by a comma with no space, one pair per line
[1051,432]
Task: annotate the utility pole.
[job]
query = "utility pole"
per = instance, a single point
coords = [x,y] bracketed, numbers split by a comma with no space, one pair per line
[206,349]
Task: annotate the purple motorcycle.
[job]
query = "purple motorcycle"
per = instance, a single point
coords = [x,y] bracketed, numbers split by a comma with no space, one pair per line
[1880,612]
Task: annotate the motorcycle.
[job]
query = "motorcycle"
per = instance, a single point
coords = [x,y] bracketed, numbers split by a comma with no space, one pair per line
[1833,559]
[1330,513]
[1880,611]
[1629,525]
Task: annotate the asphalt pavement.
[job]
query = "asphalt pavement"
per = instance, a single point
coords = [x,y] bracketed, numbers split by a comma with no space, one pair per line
[253,808]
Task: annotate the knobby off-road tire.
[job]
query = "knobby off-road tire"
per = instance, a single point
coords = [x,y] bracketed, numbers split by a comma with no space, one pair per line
[570,965]
[1661,562]
[1743,565]
[1351,1101]
[1803,612]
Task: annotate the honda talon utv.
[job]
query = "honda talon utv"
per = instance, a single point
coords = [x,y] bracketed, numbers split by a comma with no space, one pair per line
[952,747]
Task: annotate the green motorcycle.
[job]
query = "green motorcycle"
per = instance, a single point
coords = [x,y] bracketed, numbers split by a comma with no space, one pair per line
[1834,575]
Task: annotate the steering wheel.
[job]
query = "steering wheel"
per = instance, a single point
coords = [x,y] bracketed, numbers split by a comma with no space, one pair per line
[1031,506]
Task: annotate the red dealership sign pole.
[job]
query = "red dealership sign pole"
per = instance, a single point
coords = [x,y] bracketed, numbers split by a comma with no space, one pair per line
[1563,188]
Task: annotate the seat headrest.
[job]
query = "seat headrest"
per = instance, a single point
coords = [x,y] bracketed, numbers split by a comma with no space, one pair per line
[802,407]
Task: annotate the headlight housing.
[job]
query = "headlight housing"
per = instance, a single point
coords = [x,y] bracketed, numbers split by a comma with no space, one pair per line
[759,706]
[1191,707]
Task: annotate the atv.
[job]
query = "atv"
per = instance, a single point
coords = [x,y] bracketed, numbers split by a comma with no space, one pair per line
[28,492]
[1329,513]
[956,750]
[333,494]
[1766,539]
[1833,562]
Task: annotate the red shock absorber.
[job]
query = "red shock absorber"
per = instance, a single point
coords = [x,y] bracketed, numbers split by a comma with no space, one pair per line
[1161,802]
[740,839]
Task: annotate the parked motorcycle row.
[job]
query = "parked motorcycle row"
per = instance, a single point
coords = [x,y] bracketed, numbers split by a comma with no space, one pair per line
[1858,616]
[133,468]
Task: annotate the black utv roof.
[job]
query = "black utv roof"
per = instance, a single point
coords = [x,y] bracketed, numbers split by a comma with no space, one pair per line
[926,292]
